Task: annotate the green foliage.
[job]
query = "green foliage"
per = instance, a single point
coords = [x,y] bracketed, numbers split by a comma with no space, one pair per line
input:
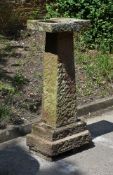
[100,12]
[35,14]
[39,10]
[6,88]
[4,115]
[19,80]
[94,75]
[98,67]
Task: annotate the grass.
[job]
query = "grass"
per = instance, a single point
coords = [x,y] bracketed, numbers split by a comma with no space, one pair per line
[19,93]
[97,71]
[5,114]
[19,80]
[18,98]
[99,67]
[7,88]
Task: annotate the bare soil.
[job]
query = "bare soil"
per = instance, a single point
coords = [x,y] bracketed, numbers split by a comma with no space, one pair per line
[21,81]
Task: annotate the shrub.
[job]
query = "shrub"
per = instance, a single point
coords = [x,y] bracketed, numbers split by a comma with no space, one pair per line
[39,10]
[100,12]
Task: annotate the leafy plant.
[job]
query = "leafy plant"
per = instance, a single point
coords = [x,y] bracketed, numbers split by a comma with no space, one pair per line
[35,13]
[4,115]
[98,67]
[100,12]
[19,80]
[6,88]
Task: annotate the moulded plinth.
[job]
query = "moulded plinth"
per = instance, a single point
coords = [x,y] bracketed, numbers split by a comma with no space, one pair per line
[52,142]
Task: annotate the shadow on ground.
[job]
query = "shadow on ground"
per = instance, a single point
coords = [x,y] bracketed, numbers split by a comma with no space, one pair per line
[62,167]
[100,128]
[15,159]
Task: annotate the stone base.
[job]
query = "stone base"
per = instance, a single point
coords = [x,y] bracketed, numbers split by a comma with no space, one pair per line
[53,142]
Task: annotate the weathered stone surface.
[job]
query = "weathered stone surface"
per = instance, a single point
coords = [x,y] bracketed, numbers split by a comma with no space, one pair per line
[59,98]
[66,98]
[59,130]
[58,25]
[60,146]
[47,132]
[49,110]
[34,39]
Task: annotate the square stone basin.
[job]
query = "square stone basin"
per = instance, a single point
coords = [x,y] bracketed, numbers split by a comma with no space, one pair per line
[54,25]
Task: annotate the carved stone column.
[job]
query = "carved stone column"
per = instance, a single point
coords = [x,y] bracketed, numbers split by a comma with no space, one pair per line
[59,129]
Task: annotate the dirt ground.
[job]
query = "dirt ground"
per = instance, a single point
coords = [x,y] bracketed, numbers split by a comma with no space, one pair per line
[21,81]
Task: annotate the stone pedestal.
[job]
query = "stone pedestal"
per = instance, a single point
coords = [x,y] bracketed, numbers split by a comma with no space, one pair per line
[59,129]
